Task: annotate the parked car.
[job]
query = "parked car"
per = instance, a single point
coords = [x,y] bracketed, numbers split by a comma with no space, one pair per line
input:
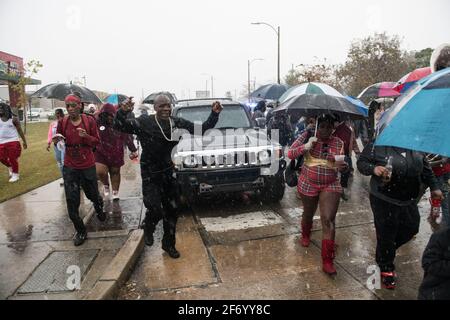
[237,157]
[34,113]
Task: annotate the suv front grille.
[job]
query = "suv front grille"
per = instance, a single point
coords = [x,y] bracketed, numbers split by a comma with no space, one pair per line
[230,160]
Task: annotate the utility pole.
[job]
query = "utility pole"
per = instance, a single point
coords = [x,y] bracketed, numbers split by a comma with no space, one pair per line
[248,74]
[212,87]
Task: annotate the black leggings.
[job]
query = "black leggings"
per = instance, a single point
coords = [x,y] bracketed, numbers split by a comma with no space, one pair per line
[73,180]
[395,226]
[160,193]
[345,176]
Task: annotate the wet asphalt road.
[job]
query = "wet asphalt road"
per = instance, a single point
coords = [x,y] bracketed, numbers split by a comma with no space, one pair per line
[240,248]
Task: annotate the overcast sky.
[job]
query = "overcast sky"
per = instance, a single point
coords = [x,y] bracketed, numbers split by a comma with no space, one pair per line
[145,46]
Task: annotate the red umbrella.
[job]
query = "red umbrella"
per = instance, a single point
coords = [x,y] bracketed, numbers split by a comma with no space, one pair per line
[408,80]
[379,90]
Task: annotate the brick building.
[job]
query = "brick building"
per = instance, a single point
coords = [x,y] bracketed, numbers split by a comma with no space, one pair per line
[11,68]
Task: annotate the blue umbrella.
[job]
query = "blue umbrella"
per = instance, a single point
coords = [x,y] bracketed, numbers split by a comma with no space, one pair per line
[420,119]
[359,104]
[115,98]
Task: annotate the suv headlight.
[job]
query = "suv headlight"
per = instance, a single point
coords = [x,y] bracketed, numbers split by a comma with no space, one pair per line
[209,160]
[264,157]
[177,161]
[190,161]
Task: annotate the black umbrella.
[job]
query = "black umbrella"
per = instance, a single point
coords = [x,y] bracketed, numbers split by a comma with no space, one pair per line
[151,98]
[61,90]
[318,104]
[269,91]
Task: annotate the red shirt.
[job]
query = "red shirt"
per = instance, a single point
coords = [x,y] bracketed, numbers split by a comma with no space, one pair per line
[440,171]
[344,133]
[79,154]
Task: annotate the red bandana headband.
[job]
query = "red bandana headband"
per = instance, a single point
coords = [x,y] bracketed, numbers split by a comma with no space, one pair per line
[72,98]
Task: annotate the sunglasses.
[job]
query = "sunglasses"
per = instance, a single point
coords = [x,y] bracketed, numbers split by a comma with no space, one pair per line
[71,104]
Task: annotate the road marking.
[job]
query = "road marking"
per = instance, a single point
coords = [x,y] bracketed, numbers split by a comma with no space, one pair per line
[296,213]
[248,220]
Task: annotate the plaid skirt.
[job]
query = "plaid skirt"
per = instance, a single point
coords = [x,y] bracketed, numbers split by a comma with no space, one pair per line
[307,188]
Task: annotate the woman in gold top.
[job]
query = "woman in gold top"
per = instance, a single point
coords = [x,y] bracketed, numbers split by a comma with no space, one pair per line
[319,185]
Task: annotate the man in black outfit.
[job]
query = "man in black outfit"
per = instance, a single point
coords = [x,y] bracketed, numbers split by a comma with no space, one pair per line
[159,186]
[393,197]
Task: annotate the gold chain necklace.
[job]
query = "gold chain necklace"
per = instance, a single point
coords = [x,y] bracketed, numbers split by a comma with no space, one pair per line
[162,131]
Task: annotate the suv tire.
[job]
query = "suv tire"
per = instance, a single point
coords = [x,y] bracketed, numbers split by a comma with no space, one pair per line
[273,190]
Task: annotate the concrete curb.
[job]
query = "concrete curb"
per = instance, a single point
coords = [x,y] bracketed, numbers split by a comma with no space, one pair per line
[118,271]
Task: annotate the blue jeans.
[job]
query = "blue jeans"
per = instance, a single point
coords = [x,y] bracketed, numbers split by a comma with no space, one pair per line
[59,156]
[443,185]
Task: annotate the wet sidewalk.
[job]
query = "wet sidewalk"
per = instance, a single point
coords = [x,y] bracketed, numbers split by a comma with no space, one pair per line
[37,257]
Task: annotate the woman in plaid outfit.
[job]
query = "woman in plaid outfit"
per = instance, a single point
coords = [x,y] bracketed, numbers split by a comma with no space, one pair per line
[319,185]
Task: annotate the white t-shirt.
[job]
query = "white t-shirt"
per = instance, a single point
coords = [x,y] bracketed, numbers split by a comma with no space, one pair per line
[8,131]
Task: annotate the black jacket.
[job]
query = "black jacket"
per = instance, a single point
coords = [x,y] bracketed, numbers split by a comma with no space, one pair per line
[410,170]
[436,266]
[156,150]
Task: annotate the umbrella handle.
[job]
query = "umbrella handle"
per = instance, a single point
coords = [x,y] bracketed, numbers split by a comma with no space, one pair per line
[315,132]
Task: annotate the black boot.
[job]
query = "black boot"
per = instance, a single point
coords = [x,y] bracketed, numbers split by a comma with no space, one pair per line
[149,229]
[101,214]
[79,238]
[171,251]
[168,244]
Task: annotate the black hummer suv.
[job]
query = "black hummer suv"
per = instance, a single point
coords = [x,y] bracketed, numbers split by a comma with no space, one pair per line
[235,156]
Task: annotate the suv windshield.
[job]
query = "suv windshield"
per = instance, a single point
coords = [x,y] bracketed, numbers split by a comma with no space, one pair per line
[230,117]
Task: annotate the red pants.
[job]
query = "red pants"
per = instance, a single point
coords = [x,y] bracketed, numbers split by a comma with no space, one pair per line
[9,155]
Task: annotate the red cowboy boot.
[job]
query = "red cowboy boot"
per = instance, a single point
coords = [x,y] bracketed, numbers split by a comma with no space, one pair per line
[306,234]
[328,254]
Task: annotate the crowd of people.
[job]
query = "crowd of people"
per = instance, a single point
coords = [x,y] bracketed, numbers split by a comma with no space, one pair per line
[89,147]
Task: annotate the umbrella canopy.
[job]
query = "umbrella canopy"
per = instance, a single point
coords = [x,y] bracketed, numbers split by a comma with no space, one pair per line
[314,104]
[359,104]
[420,119]
[151,98]
[60,90]
[379,90]
[115,98]
[269,91]
[409,79]
[311,88]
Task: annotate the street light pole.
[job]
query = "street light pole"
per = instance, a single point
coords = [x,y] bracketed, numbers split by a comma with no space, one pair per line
[248,74]
[278,69]
[277,31]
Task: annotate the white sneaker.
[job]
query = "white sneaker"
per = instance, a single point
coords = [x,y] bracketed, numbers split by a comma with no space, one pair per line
[14,177]
[115,195]
[106,191]
[10,172]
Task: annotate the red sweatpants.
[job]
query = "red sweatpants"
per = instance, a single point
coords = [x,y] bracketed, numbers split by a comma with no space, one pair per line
[9,155]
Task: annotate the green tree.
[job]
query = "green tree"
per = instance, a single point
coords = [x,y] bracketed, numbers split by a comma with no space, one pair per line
[423,57]
[374,59]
